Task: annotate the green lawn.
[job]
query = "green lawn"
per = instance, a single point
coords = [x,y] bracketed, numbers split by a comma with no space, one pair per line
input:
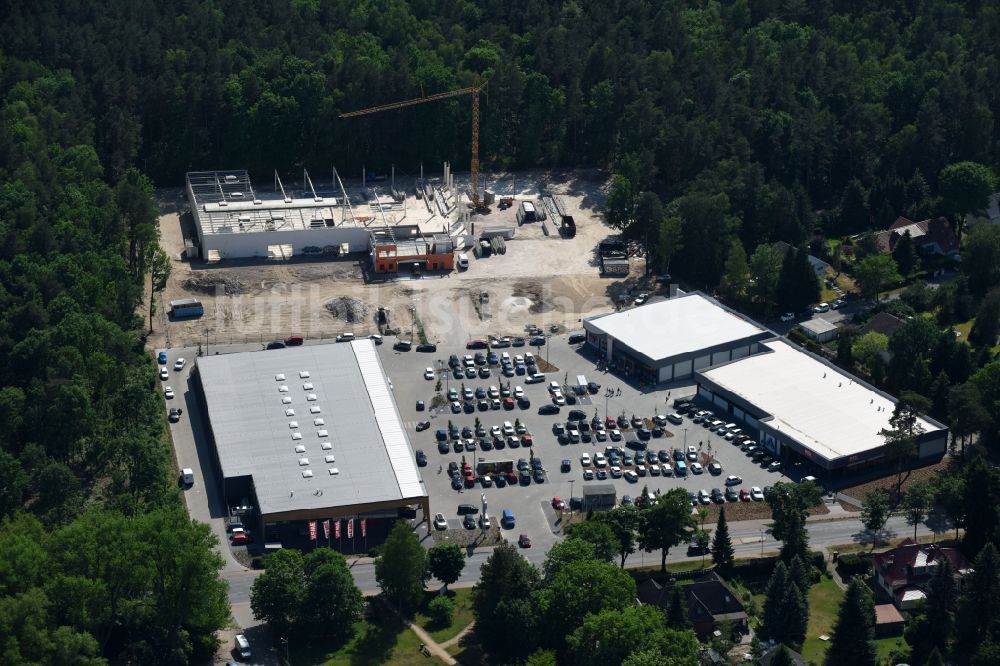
[461,619]
[886,646]
[824,601]
[385,641]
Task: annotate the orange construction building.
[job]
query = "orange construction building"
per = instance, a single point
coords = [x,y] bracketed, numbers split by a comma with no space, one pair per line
[397,247]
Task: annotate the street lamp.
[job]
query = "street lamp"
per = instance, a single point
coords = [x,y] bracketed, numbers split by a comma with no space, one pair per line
[685,438]
[762,543]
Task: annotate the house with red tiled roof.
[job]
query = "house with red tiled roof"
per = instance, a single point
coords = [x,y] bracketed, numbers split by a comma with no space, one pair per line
[903,573]
[930,237]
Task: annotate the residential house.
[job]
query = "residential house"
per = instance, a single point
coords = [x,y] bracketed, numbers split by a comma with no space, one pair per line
[818,265]
[769,654]
[931,238]
[902,574]
[883,323]
[710,603]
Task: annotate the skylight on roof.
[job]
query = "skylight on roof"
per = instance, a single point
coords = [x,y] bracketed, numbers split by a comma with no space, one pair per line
[303,462]
[286,400]
[307,386]
[296,436]
[279,378]
[330,458]
[326,446]
[293,424]
[307,474]
[289,412]
[311,397]
[282,389]
[314,409]
[304,374]
[323,433]
[300,448]
[334,471]
[318,422]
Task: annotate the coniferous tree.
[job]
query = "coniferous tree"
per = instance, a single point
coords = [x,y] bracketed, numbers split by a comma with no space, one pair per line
[853,639]
[722,546]
[773,595]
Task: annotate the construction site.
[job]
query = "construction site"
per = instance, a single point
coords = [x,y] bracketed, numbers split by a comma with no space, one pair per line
[445,256]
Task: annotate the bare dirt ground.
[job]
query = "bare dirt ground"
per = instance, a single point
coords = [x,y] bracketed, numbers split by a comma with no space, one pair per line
[543,279]
[948,465]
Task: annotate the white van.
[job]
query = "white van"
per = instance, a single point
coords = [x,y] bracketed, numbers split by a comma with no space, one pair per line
[187,476]
[243,647]
[463,261]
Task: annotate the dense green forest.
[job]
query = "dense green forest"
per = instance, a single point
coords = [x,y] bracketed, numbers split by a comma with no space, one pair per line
[754,121]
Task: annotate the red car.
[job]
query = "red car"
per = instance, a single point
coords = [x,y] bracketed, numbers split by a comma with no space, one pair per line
[558,504]
[293,340]
[240,538]
[524,541]
[508,403]
[477,344]
[512,478]
[526,440]
[744,495]
[611,422]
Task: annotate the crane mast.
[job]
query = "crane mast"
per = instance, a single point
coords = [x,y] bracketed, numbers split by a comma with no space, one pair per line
[474,92]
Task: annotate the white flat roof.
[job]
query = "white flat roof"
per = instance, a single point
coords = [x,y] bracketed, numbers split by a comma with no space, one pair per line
[818,325]
[661,329]
[276,414]
[817,405]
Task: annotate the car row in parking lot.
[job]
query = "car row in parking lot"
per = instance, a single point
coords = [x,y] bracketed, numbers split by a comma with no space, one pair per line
[481,365]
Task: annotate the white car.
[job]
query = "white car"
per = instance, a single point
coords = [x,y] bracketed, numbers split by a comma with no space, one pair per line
[654,470]
[600,460]
[168,392]
[704,497]
[554,387]
[429,373]
[495,431]
[179,365]
[615,434]
[508,429]
[164,374]
[518,392]
[756,494]
[558,399]
[822,307]
[440,522]
[788,316]
[696,468]
[484,522]
[187,476]
[692,453]
[616,472]
[585,460]
[630,476]
[493,392]
[733,480]
[641,298]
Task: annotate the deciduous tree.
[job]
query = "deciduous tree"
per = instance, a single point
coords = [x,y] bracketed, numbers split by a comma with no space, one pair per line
[401,567]
[875,513]
[446,562]
[666,523]
[874,273]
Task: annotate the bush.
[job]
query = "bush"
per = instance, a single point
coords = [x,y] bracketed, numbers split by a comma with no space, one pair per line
[853,564]
[441,609]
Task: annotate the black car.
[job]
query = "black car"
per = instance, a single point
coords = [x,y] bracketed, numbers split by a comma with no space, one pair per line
[423,425]
[536,464]
[427,347]
[421,458]
[577,415]
[663,455]
[548,409]
[500,481]
[717,496]
[277,344]
[583,426]
[486,444]
[467,509]
[517,342]
[576,338]
[456,481]
[458,447]
[636,445]
[537,341]
[469,522]
[456,372]
[467,431]
[593,387]
[566,465]
[453,361]
[175,414]
[498,443]
[480,358]
[570,399]
[420,405]
[539,476]
[525,477]
[483,405]
[524,403]
[484,372]
[443,447]
[403,345]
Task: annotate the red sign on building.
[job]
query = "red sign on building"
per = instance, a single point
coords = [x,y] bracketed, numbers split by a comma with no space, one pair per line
[350,528]
[363,525]
[312,530]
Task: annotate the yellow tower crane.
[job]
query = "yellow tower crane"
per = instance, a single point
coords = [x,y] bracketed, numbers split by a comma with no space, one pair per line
[474,91]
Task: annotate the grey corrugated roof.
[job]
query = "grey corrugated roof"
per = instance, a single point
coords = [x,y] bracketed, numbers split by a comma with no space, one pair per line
[253,436]
[599,489]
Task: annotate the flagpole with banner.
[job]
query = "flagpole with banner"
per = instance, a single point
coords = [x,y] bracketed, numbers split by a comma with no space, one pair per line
[336,533]
[364,533]
[350,533]
[326,532]
[312,531]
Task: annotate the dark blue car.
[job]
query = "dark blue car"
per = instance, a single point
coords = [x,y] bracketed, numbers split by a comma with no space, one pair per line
[441,434]
[162,358]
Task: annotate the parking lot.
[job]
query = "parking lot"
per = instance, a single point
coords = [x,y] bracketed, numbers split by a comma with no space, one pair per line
[532,503]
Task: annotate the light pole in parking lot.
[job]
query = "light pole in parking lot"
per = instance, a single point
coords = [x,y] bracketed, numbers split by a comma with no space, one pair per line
[685,438]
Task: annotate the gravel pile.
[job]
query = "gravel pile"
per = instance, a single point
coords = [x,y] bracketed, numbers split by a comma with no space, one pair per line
[207,284]
[348,309]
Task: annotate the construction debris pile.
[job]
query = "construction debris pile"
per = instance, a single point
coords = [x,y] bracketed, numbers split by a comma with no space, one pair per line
[348,309]
[211,283]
